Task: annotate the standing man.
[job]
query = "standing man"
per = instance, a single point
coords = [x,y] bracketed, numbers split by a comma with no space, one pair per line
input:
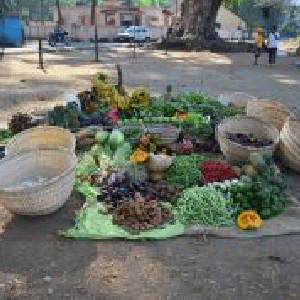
[272,45]
[258,43]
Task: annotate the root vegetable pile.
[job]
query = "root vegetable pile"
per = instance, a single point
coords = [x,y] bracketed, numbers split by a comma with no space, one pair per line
[137,214]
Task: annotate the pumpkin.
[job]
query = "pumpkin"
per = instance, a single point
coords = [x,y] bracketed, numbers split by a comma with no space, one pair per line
[139,155]
[249,220]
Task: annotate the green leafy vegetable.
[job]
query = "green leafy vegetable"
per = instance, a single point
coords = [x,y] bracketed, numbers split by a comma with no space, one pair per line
[184,170]
[205,206]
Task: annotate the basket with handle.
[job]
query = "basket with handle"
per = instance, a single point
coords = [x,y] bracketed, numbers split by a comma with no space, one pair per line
[272,112]
[235,152]
[37,182]
[43,136]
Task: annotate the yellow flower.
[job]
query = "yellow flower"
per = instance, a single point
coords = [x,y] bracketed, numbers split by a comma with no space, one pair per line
[139,155]
[249,219]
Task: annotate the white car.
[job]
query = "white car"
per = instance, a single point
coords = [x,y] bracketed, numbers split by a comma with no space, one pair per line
[134,33]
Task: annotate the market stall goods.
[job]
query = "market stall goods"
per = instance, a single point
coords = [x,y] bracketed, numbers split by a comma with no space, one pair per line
[237,152]
[271,112]
[216,171]
[37,182]
[44,136]
[249,220]
[137,214]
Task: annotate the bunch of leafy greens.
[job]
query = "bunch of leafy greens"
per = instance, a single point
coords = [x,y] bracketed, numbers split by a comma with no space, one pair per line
[184,170]
[264,192]
[205,206]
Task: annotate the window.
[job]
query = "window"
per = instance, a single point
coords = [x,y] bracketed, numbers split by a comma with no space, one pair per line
[126,19]
[110,19]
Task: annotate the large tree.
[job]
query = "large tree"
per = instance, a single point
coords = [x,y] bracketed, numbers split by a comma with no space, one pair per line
[199,16]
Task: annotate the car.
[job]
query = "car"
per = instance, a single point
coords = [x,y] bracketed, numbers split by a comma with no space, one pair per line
[134,33]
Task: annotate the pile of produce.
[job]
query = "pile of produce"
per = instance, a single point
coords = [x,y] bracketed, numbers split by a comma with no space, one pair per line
[248,140]
[184,170]
[216,171]
[185,146]
[120,188]
[136,214]
[264,192]
[205,205]
[110,152]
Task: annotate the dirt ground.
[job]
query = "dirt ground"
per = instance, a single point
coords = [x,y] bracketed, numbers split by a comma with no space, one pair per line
[37,264]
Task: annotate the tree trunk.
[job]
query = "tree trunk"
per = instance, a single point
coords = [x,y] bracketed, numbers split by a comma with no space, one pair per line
[58,12]
[199,17]
[93,12]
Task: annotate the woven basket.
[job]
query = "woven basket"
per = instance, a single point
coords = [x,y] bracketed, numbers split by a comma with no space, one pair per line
[238,99]
[55,167]
[272,112]
[289,147]
[235,152]
[50,137]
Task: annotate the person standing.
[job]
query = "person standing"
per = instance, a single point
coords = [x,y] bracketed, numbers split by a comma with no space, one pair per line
[272,45]
[258,43]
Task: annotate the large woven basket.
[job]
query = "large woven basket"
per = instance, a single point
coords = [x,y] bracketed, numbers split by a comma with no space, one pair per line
[237,99]
[235,152]
[289,145]
[50,137]
[272,112]
[36,182]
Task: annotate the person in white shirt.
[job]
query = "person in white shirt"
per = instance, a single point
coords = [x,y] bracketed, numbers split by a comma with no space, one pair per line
[272,45]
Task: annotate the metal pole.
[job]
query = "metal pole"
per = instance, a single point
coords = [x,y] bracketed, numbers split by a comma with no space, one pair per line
[134,36]
[96,44]
[120,78]
[41,62]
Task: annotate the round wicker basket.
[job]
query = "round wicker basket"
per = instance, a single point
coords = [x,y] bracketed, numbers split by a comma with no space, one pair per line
[50,137]
[235,152]
[36,182]
[272,112]
[289,150]
[239,99]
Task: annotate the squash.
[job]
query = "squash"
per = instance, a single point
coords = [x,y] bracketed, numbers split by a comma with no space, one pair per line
[249,220]
[116,139]
[139,155]
[102,136]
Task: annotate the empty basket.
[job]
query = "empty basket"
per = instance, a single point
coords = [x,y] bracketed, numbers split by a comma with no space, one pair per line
[49,137]
[36,182]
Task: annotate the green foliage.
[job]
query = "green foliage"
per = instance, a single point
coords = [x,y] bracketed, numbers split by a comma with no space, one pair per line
[184,170]
[206,206]
[264,192]
[85,166]
[5,135]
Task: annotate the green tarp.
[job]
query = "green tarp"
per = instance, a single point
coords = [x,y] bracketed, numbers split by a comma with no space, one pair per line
[93,225]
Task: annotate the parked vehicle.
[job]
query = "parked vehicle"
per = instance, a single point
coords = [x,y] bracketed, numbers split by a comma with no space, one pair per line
[134,33]
[59,39]
[11,31]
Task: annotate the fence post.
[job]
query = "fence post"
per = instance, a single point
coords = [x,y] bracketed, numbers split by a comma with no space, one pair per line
[96,43]
[41,62]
